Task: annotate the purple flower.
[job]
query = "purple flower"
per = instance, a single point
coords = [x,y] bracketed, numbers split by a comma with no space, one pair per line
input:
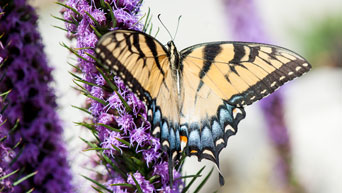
[130,124]
[32,102]
[143,183]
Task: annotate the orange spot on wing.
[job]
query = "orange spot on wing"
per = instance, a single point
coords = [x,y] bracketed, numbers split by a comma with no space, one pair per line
[193,151]
[183,139]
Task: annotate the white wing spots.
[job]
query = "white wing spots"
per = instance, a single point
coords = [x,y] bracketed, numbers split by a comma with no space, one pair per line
[263,91]
[102,55]
[174,155]
[156,130]
[298,68]
[122,75]
[242,102]
[149,112]
[273,84]
[166,143]
[129,83]
[208,152]
[108,62]
[290,73]
[253,97]
[229,127]
[282,78]
[235,112]
[116,67]
[97,50]
[305,64]
[219,141]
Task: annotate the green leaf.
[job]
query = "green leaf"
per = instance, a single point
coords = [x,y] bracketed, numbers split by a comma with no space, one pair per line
[92,145]
[204,181]
[193,180]
[8,175]
[87,125]
[147,20]
[74,52]
[75,76]
[111,14]
[114,167]
[137,184]
[109,82]
[97,183]
[68,7]
[76,67]
[31,190]
[24,178]
[124,185]
[123,141]
[5,93]
[96,99]
[92,18]
[64,20]
[82,109]
[109,127]
[97,33]
[96,149]
[15,126]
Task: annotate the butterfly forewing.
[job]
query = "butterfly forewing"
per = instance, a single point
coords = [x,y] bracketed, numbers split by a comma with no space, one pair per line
[137,58]
[250,71]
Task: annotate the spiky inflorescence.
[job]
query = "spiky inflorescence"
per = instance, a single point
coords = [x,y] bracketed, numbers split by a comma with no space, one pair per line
[130,153]
[31,102]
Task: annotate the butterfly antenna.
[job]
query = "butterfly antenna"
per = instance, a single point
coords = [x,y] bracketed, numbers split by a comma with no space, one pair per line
[164,26]
[174,37]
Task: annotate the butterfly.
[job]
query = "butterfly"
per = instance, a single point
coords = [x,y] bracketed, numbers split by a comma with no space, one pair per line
[196,97]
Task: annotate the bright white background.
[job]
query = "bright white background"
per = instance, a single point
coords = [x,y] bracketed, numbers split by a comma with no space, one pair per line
[314,101]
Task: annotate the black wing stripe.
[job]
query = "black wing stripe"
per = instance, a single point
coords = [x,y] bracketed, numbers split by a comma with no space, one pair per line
[151,44]
[209,54]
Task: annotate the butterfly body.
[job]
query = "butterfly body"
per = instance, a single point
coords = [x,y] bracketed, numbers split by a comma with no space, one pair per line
[195,97]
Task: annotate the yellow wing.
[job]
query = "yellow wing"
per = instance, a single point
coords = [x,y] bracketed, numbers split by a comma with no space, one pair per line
[137,58]
[218,79]
[248,70]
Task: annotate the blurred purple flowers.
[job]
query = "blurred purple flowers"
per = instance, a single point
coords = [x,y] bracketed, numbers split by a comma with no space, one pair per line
[132,156]
[31,103]
[246,25]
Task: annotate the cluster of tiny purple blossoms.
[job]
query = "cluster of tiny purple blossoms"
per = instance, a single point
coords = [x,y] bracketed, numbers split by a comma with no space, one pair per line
[30,104]
[133,123]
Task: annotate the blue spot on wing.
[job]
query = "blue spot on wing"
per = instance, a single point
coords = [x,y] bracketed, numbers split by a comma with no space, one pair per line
[216,130]
[194,140]
[207,139]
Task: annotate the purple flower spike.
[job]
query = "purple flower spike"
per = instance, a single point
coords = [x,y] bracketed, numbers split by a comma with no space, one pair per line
[32,102]
[127,139]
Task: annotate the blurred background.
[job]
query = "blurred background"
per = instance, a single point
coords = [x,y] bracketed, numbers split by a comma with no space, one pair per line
[312,104]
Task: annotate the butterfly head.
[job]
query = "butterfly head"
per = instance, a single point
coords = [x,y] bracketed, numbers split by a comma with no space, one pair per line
[174,56]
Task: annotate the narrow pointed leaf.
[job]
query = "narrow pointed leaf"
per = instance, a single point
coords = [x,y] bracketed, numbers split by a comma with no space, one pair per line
[204,181]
